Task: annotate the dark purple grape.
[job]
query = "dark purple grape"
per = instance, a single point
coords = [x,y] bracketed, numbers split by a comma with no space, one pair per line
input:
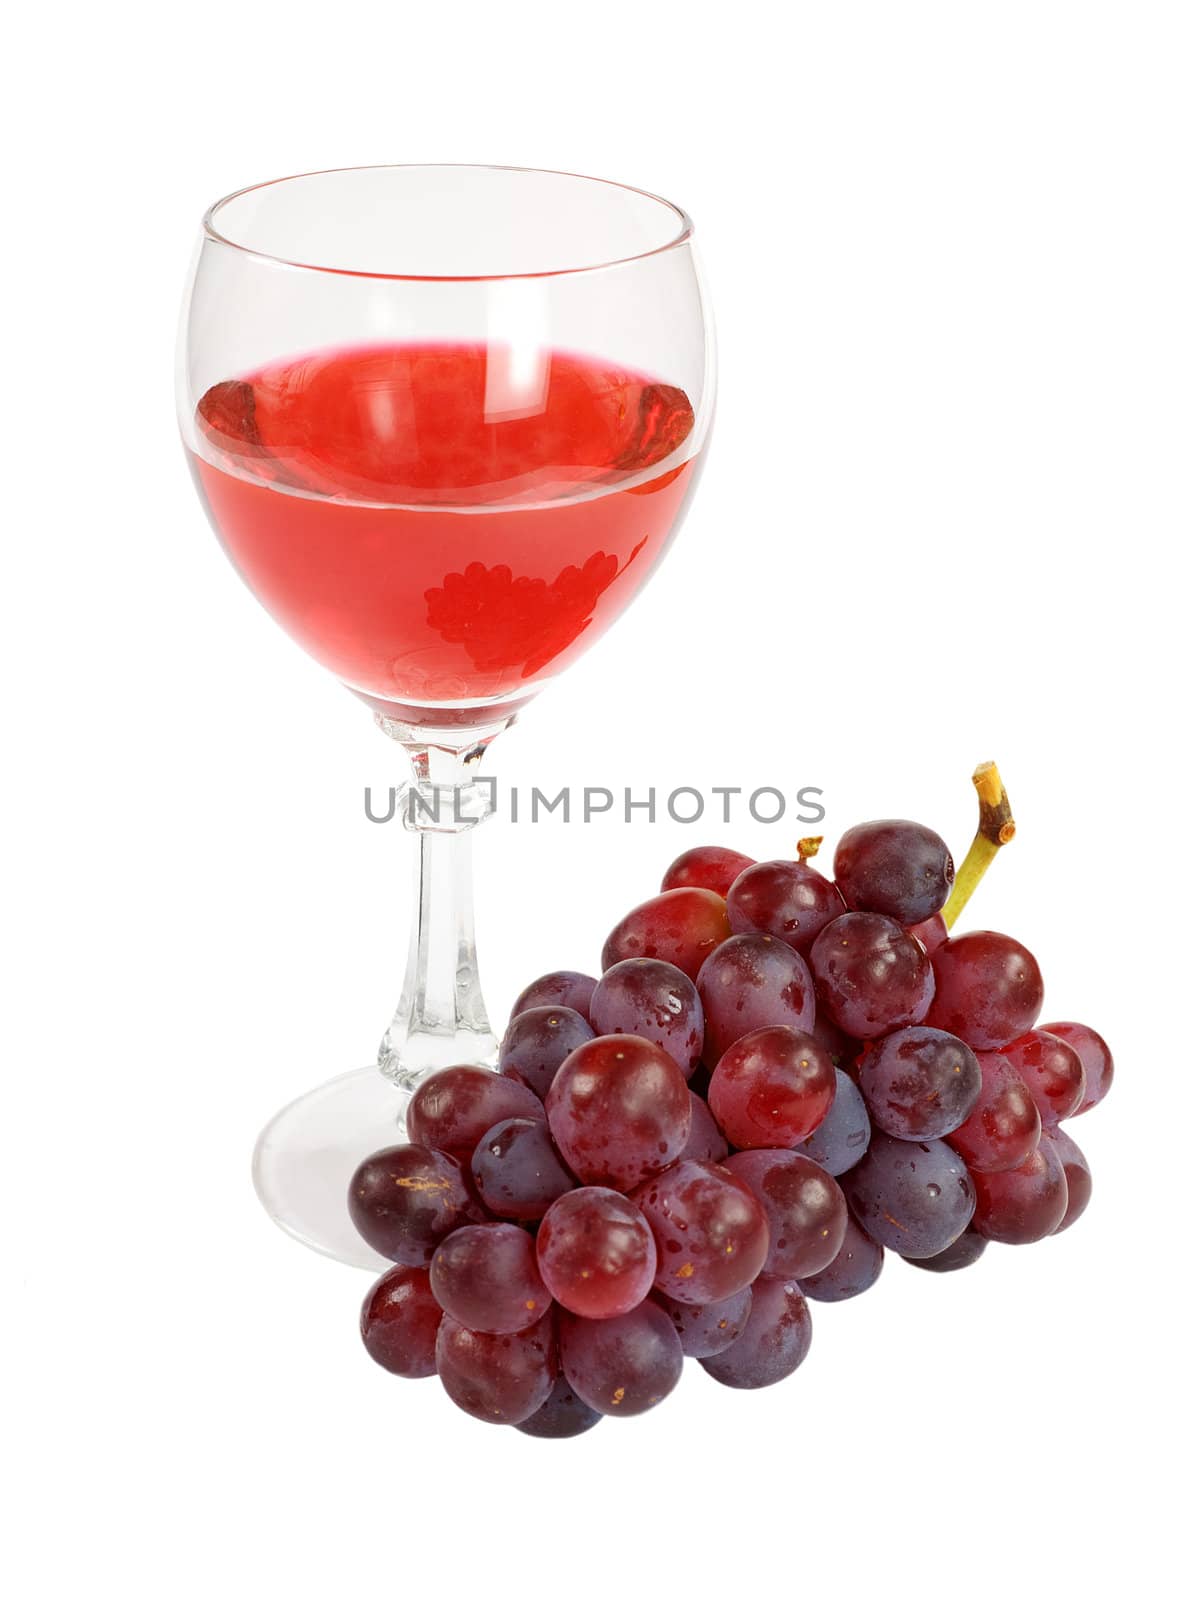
[804,1207]
[871,975]
[901,869]
[915,1198]
[706,1141]
[498,1377]
[711,1234]
[453,1109]
[988,989]
[536,1043]
[1026,1204]
[1004,1127]
[405,1200]
[753,981]
[708,1330]
[706,866]
[920,1083]
[772,1089]
[517,1170]
[562,1416]
[619,1110]
[1094,1055]
[656,1001]
[680,926]
[400,1322]
[596,1253]
[962,1252]
[856,1268]
[843,1137]
[623,1366]
[572,989]
[788,899]
[487,1278]
[775,1340]
[1077,1172]
[1052,1071]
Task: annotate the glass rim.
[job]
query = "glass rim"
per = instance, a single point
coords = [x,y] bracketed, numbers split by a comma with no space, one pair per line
[212,232]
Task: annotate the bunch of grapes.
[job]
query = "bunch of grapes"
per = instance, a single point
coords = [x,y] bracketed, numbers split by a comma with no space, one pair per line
[778,1077]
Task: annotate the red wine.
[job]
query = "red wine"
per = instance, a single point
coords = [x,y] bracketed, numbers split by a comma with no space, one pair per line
[435,525]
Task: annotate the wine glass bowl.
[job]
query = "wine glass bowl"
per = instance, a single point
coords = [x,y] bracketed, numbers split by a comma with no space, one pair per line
[445,421]
[499,351]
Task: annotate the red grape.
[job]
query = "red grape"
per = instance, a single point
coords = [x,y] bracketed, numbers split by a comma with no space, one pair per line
[856,1268]
[804,1207]
[487,1278]
[596,1253]
[622,1366]
[962,1252]
[710,1329]
[537,1041]
[789,899]
[517,1171]
[619,1110]
[706,866]
[655,1000]
[400,1322]
[1078,1176]
[988,989]
[1052,1071]
[710,1231]
[706,1141]
[1026,1204]
[453,1109]
[920,1083]
[1094,1055]
[901,869]
[931,933]
[680,926]
[843,1137]
[405,1200]
[498,1377]
[871,975]
[572,989]
[772,1089]
[842,1050]
[1004,1126]
[562,1416]
[915,1198]
[753,981]
[775,1340]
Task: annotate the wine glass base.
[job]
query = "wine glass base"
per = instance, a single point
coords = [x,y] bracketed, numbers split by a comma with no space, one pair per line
[307,1153]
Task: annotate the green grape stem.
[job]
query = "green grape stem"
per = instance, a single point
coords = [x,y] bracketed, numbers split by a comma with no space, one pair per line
[996,828]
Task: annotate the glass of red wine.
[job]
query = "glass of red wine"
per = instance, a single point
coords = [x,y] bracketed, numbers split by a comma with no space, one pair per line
[445,421]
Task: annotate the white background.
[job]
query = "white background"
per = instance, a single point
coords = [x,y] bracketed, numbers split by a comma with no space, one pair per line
[937,525]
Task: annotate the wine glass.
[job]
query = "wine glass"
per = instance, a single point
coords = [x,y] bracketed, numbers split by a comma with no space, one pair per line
[444,420]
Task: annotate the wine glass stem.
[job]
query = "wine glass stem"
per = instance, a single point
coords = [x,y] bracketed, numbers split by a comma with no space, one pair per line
[441,1019]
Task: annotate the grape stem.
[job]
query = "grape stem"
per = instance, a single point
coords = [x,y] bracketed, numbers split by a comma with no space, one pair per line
[996,828]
